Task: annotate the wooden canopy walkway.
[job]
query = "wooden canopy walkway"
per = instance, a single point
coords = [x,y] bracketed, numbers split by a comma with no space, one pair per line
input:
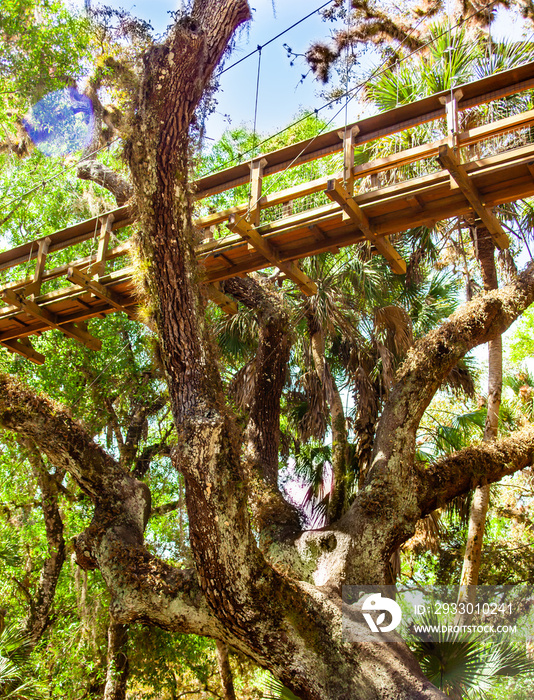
[448,177]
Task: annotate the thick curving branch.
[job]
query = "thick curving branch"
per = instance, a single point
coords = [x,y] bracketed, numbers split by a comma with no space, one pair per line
[426,367]
[90,168]
[62,439]
[430,361]
[142,586]
[104,176]
[262,435]
[474,466]
[385,512]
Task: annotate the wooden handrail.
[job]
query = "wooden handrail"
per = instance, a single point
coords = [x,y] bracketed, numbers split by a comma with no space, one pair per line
[386,123]
[396,160]
[401,118]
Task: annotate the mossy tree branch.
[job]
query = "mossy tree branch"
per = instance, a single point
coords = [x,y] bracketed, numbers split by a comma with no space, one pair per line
[485,463]
[262,437]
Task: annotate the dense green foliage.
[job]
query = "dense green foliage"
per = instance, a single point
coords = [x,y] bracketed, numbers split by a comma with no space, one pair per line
[368,319]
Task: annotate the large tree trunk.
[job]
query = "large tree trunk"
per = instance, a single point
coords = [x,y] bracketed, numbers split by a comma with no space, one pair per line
[485,251]
[225,672]
[117,659]
[271,617]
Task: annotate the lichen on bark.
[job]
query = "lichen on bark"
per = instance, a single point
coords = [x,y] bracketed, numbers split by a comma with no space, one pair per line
[246,593]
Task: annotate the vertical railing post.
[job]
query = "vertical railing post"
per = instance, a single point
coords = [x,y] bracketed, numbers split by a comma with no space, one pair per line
[99,267]
[348,136]
[34,288]
[256,179]
[451,113]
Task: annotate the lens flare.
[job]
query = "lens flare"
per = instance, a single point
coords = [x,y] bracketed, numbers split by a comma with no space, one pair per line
[62,122]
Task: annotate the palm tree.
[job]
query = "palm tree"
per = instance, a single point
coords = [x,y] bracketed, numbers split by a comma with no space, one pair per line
[17,681]
[479,507]
[467,665]
[452,59]
[355,333]
[330,314]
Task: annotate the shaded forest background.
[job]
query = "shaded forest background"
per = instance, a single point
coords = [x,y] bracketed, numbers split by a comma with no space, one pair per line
[347,345]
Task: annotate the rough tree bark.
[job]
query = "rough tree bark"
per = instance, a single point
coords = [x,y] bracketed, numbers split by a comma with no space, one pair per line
[225,671]
[278,601]
[41,605]
[117,662]
[273,515]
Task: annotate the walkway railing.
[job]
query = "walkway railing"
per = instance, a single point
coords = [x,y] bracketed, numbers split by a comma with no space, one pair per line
[462,170]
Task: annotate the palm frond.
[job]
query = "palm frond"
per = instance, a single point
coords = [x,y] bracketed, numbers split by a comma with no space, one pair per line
[466,664]
[458,432]
[462,378]
[311,464]
[432,301]
[16,678]
[237,334]
[428,533]
[394,326]
[451,60]
[394,87]
[241,387]
[502,55]
[521,380]
[273,689]
[308,410]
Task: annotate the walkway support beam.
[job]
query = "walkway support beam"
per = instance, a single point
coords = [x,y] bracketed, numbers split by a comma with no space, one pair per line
[337,193]
[263,246]
[256,180]
[35,287]
[449,161]
[69,329]
[23,347]
[98,290]
[214,293]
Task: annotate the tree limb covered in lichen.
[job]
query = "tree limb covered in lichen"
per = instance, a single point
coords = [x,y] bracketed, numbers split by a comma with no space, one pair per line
[485,463]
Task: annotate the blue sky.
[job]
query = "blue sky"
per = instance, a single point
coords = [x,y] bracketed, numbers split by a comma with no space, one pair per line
[282,94]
